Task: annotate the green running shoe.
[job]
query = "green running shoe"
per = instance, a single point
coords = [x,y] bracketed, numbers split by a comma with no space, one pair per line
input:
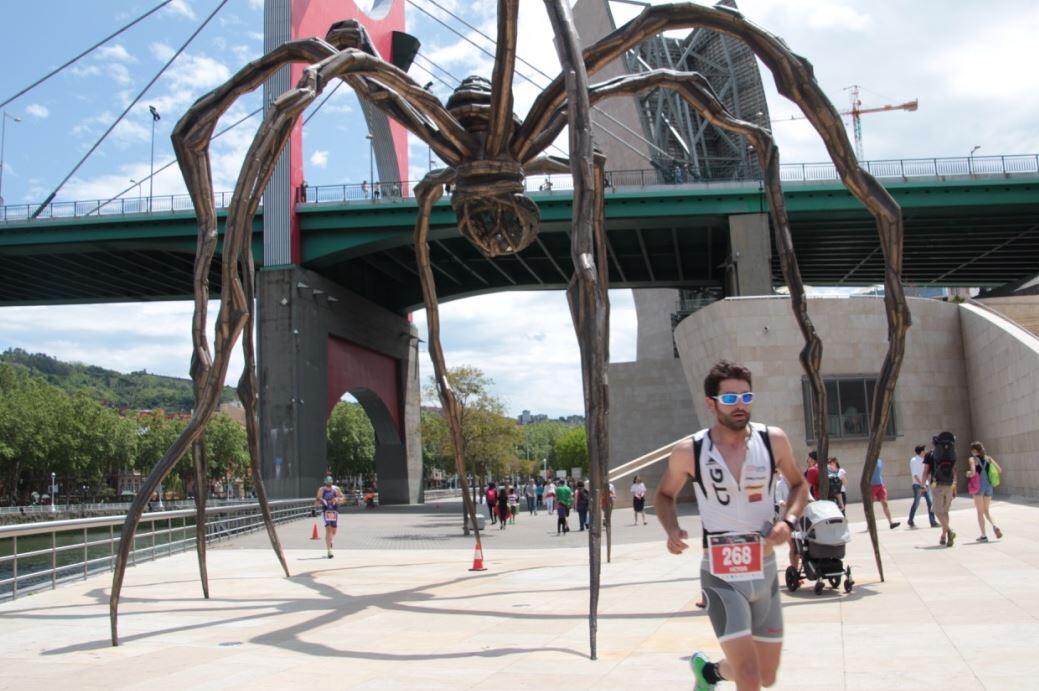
[698,662]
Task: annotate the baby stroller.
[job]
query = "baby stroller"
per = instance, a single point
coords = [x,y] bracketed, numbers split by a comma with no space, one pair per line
[819,539]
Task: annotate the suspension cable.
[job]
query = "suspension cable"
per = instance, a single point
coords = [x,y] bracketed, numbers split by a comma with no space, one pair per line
[128,108]
[53,72]
[597,109]
[230,127]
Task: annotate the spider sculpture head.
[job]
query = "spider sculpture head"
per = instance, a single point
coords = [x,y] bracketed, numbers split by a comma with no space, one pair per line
[493,213]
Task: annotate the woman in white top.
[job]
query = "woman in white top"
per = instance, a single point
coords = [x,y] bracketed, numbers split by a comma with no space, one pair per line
[550,497]
[638,499]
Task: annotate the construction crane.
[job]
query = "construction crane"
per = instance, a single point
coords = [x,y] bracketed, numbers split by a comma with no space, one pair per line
[857,111]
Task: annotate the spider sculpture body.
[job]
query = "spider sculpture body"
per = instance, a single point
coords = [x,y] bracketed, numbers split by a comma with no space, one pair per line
[488,152]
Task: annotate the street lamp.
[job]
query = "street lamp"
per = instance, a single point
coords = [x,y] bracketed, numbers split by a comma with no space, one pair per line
[151,176]
[429,147]
[161,507]
[54,490]
[3,137]
[970,159]
[371,161]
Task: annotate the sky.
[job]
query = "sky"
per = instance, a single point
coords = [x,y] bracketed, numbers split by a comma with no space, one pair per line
[971,68]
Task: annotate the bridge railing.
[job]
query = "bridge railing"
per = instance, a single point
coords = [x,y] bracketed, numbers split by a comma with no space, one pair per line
[389,192]
[40,555]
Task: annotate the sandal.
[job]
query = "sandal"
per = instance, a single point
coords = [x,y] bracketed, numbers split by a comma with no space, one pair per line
[999,533]
[983,538]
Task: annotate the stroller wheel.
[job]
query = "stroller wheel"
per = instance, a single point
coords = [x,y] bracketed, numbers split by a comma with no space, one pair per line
[848,584]
[819,585]
[793,578]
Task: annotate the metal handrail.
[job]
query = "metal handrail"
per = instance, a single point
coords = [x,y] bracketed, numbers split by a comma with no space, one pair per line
[235,519]
[395,191]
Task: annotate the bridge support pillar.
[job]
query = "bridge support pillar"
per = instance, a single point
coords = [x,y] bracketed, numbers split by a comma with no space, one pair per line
[316,341]
[750,267]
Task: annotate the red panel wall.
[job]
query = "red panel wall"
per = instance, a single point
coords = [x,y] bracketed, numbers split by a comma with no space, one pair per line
[351,367]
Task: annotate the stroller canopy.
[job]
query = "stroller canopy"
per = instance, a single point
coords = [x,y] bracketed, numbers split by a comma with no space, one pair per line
[826,524]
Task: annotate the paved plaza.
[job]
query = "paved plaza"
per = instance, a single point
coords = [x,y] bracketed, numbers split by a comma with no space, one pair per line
[397,608]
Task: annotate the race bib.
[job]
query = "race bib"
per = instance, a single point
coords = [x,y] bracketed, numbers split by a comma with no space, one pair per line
[736,556]
[331,515]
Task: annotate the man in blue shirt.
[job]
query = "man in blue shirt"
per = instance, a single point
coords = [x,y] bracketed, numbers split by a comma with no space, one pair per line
[878,492]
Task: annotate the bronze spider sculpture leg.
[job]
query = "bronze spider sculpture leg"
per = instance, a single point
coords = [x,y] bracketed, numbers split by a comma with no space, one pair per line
[235,315]
[427,193]
[191,142]
[588,290]
[795,80]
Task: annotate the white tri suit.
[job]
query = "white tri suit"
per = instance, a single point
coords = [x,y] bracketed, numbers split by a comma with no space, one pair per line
[740,585]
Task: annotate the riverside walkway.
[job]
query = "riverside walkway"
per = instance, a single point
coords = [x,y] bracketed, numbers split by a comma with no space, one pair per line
[397,608]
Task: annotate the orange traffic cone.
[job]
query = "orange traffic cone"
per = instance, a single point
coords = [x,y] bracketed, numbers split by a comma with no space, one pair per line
[478,559]
[314,535]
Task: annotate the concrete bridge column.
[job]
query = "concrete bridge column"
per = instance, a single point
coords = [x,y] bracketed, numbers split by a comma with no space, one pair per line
[316,341]
[750,269]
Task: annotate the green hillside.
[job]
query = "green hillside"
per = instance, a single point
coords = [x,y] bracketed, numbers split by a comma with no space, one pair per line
[137,390]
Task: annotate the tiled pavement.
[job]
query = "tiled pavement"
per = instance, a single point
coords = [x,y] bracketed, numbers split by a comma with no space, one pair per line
[397,608]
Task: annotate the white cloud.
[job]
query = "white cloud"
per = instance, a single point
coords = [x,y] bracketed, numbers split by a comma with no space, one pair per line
[255,4]
[37,110]
[83,71]
[119,74]
[161,51]
[319,158]
[116,52]
[182,8]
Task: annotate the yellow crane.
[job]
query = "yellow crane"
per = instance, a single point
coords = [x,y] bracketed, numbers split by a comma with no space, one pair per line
[857,111]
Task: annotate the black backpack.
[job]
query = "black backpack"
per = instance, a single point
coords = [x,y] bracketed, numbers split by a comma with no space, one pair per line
[835,485]
[943,458]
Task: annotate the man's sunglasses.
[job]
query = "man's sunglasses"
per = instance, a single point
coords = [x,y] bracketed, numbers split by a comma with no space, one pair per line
[734,398]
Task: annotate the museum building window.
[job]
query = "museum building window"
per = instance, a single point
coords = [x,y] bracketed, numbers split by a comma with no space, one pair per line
[848,404]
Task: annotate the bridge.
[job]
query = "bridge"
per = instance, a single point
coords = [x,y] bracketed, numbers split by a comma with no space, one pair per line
[969,221]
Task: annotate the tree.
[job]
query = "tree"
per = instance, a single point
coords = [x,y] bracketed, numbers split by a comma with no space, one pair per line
[350,440]
[227,448]
[436,442]
[539,441]
[489,437]
[572,449]
[156,433]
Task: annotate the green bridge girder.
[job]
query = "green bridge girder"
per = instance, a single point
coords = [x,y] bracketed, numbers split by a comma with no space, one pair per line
[978,232]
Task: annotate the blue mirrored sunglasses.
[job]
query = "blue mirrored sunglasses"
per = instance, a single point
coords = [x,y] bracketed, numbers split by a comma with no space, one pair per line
[733,398]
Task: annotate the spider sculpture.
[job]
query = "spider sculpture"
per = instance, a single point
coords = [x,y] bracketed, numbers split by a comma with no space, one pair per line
[489,152]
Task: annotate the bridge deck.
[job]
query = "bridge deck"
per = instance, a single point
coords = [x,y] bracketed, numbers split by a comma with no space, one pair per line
[973,231]
[406,613]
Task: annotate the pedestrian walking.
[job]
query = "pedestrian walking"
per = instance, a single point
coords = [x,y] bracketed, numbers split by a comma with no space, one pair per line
[540,491]
[638,499]
[940,465]
[503,507]
[980,487]
[491,496]
[564,497]
[731,465]
[916,472]
[530,494]
[838,479]
[878,492]
[550,497]
[513,504]
[581,502]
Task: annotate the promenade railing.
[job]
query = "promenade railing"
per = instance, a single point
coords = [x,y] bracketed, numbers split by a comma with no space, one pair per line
[389,192]
[38,555]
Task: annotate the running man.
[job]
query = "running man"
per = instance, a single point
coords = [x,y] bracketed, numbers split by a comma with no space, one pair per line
[731,465]
[328,499]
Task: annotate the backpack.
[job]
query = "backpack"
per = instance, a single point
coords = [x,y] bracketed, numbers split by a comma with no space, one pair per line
[993,472]
[835,485]
[943,458]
